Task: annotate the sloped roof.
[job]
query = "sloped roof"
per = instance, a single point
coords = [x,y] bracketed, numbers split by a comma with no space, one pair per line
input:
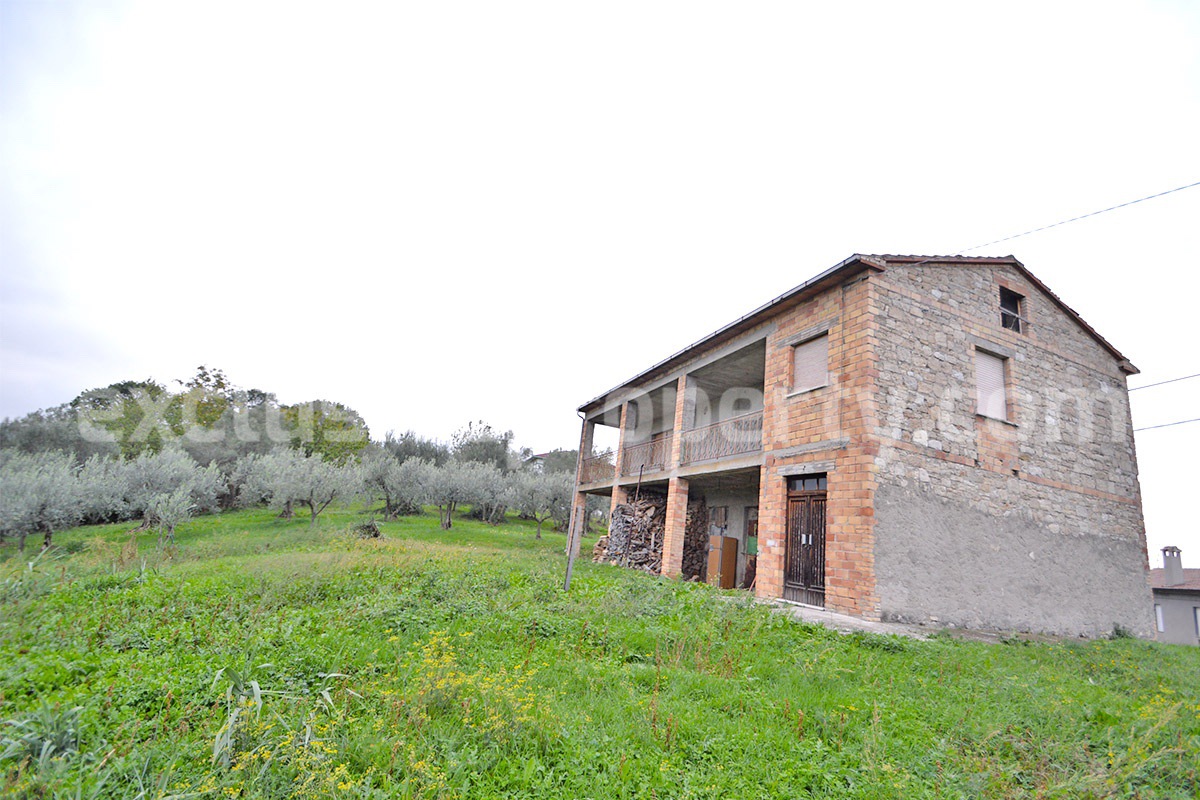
[810,287]
[1191,580]
[832,276]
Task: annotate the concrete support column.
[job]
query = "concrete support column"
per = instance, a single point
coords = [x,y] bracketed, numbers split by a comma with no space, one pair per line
[676,522]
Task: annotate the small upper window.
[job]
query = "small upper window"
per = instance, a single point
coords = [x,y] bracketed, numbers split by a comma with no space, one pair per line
[1010,309]
[808,483]
[1158,619]
[810,364]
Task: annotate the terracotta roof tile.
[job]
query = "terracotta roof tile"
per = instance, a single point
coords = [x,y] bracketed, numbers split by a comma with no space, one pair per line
[1191,580]
[909,259]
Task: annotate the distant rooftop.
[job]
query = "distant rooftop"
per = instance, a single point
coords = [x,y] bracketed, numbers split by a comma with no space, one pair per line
[1191,580]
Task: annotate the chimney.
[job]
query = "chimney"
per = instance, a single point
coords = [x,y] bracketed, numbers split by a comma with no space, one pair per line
[1172,566]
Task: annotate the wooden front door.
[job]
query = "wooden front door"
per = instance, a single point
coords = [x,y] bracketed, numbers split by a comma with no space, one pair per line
[804,560]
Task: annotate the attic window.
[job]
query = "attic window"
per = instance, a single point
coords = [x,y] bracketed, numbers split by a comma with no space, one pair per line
[1010,309]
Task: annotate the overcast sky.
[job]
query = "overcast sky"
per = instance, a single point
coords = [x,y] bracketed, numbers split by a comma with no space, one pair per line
[440,212]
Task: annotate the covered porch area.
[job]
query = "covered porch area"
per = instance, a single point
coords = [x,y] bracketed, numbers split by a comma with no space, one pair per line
[700,528]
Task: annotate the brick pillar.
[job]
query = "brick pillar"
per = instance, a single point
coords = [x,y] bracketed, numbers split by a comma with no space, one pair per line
[677,502]
[619,495]
[772,533]
[579,503]
[677,493]
[677,433]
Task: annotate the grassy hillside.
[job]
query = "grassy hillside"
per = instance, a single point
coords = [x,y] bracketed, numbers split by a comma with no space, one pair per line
[262,658]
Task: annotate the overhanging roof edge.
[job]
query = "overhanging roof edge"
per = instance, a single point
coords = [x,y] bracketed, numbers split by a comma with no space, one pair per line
[842,266]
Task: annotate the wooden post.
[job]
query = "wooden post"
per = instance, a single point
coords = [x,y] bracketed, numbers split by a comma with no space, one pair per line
[585,450]
[572,549]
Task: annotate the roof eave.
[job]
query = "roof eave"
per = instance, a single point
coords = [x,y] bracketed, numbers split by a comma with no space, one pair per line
[1123,363]
[836,273]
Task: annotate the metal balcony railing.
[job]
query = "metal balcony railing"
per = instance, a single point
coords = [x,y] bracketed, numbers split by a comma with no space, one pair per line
[596,469]
[650,456]
[729,437]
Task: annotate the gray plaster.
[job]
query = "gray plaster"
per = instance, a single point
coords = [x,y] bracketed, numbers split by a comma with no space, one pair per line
[1179,610]
[945,562]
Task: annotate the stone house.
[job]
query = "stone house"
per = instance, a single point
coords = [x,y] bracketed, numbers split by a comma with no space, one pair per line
[932,440]
[1176,600]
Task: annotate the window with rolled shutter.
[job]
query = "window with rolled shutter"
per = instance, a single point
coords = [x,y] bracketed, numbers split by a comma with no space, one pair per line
[810,364]
[989,386]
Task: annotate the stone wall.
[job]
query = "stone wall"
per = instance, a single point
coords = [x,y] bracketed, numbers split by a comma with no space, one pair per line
[1034,523]
[1067,395]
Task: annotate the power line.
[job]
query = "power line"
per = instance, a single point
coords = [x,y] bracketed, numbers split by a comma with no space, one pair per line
[1166,425]
[1076,219]
[1160,383]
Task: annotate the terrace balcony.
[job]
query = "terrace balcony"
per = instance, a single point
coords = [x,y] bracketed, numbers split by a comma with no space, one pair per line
[731,437]
[651,456]
[708,419]
[597,469]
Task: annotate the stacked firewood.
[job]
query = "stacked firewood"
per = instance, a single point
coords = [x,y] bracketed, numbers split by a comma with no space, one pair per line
[600,550]
[635,534]
[695,541]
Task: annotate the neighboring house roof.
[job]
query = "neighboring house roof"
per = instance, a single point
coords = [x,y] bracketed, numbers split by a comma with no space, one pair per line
[536,456]
[1191,581]
[831,277]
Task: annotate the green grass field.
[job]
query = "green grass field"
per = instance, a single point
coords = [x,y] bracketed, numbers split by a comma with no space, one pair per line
[260,658]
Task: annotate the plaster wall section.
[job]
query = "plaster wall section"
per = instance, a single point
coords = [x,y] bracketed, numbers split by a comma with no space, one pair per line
[1033,523]
[1181,617]
[736,503]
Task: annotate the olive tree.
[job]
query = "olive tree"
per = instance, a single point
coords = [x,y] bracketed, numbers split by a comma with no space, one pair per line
[401,486]
[288,477]
[411,445]
[542,496]
[39,493]
[105,486]
[457,483]
[154,477]
[170,510]
[244,484]
[492,494]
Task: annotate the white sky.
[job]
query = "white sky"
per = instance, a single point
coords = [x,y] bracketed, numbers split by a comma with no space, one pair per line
[439,212]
